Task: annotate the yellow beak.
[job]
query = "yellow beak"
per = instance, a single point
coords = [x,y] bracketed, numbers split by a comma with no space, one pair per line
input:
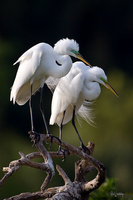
[81,58]
[110,87]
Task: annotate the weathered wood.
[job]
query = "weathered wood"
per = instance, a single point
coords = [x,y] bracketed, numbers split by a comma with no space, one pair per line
[80,188]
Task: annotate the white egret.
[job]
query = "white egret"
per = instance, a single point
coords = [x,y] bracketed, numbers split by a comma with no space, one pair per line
[81,83]
[36,65]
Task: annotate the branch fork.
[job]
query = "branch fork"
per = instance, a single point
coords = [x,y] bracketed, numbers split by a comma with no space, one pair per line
[79,189]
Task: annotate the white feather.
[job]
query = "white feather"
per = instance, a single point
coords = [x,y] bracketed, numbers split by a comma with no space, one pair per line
[85,112]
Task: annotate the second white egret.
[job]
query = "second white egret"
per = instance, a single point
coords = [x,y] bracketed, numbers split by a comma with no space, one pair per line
[81,83]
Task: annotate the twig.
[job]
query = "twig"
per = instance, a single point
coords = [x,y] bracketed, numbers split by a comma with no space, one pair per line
[64,175]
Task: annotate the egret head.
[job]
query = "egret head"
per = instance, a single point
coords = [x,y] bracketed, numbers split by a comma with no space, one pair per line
[101,78]
[66,46]
[69,47]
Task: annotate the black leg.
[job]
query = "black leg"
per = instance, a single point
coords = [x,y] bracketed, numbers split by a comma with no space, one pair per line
[36,135]
[60,134]
[84,148]
[61,126]
[42,111]
[31,113]
[44,119]
[73,123]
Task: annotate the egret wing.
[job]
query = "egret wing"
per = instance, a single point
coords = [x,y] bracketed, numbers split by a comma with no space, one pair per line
[29,62]
[65,96]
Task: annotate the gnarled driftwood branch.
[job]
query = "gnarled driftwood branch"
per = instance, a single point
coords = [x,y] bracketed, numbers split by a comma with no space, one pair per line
[80,188]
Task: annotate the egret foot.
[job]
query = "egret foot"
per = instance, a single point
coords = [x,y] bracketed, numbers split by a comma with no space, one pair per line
[52,136]
[64,151]
[84,149]
[35,137]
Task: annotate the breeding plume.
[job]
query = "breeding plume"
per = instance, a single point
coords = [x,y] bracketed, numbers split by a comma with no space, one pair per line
[36,65]
[80,84]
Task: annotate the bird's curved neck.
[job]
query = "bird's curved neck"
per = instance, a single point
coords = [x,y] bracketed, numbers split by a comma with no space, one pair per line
[63,64]
[91,91]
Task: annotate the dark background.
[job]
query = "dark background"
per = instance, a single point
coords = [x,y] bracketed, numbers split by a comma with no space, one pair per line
[104,31]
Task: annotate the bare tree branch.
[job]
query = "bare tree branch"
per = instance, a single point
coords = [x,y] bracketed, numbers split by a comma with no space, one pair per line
[49,167]
[79,189]
[64,175]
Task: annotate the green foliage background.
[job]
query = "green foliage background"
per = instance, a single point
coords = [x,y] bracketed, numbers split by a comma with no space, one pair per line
[104,31]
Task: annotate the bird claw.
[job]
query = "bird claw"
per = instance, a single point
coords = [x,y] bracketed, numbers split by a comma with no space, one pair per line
[35,137]
[85,149]
[52,136]
[64,151]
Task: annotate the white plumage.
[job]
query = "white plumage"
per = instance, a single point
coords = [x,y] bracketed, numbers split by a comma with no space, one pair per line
[80,84]
[40,62]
